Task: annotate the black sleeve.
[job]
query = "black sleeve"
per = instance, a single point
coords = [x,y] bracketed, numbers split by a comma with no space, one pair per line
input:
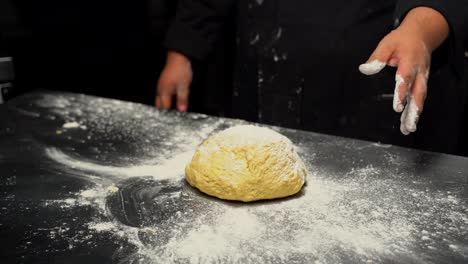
[195,27]
[453,10]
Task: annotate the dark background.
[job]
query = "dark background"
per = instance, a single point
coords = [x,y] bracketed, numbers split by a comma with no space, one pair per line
[105,48]
[111,49]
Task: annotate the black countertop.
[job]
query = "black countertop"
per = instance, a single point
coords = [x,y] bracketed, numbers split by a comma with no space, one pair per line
[92,180]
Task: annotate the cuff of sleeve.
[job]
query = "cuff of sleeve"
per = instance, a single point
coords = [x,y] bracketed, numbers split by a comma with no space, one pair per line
[181,38]
[454,44]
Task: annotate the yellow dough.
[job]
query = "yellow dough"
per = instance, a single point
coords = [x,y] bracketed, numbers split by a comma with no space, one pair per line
[247,163]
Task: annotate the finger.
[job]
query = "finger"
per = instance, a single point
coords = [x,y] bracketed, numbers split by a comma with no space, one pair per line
[409,121]
[157,101]
[403,129]
[166,100]
[372,67]
[164,94]
[397,102]
[404,79]
[415,106]
[393,62]
[182,98]
[378,60]
[419,89]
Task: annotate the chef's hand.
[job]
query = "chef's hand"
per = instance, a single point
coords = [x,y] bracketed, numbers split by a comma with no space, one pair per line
[409,47]
[174,80]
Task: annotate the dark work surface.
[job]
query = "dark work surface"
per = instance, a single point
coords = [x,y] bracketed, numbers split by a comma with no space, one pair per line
[109,189]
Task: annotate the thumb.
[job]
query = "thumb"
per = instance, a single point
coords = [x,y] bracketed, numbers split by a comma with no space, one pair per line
[378,60]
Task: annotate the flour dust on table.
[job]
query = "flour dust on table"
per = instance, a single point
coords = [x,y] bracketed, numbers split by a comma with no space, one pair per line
[100,127]
[330,214]
[366,218]
[137,195]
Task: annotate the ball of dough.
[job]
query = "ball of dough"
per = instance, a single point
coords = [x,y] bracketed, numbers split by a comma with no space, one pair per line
[247,163]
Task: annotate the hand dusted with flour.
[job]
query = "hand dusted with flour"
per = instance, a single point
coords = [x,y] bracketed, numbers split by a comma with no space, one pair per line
[247,163]
[409,48]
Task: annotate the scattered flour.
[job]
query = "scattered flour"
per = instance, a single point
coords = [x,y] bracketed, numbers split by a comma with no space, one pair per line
[112,189]
[103,226]
[71,125]
[255,39]
[360,215]
[66,203]
[167,169]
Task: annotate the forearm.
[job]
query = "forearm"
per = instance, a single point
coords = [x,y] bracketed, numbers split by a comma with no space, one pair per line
[177,58]
[429,24]
[453,11]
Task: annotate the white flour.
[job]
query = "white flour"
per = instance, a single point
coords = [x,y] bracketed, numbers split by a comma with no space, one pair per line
[255,39]
[397,104]
[362,216]
[372,67]
[117,120]
[71,125]
[410,116]
[367,214]
[169,169]
[104,226]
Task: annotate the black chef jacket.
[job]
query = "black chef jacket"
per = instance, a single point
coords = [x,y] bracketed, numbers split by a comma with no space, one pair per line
[297,65]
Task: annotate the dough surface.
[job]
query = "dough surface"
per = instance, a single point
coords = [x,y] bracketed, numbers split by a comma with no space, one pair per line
[247,163]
